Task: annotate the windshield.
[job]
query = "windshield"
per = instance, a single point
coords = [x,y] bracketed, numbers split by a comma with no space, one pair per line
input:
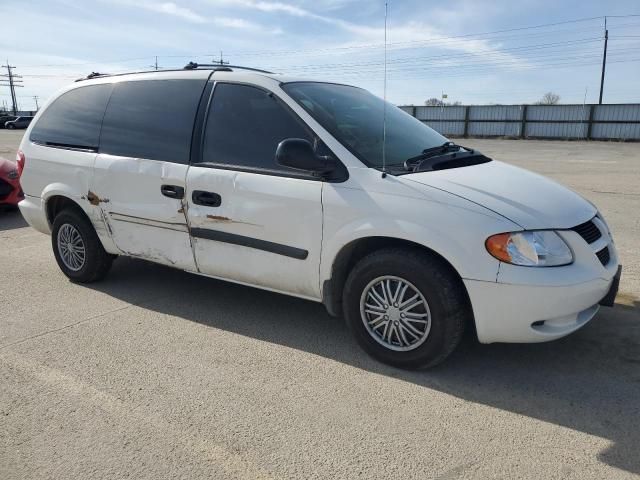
[355,118]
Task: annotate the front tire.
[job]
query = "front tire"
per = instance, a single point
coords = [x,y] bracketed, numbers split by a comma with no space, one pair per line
[10,127]
[405,307]
[78,249]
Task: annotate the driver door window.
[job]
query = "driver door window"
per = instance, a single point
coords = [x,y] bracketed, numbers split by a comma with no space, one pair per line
[245,126]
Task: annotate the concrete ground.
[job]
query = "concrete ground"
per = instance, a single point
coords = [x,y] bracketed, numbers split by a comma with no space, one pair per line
[155,373]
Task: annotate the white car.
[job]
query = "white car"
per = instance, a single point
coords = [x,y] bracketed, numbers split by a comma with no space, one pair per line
[282,184]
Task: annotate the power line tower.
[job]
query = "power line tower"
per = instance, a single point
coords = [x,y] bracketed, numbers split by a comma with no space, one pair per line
[12,81]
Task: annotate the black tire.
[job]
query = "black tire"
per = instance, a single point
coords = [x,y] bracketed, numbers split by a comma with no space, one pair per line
[442,289]
[97,261]
[10,127]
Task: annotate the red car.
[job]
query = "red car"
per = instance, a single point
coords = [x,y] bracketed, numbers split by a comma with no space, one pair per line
[10,191]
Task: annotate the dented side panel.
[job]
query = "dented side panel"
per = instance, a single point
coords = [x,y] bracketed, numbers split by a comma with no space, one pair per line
[142,221]
[266,232]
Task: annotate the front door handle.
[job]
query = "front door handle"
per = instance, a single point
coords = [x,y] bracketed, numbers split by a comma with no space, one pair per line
[172,191]
[208,199]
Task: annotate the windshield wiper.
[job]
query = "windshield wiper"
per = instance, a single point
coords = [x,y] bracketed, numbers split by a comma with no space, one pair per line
[446,147]
[431,158]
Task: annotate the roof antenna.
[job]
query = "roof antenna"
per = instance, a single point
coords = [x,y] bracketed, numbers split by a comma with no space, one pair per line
[384,107]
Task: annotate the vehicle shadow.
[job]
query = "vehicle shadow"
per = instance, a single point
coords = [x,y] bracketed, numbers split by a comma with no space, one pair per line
[588,382]
[11,218]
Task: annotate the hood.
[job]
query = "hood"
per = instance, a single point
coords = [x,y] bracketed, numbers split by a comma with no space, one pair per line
[526,198]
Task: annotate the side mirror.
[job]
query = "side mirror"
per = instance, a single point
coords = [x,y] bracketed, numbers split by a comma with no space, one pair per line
[298,153]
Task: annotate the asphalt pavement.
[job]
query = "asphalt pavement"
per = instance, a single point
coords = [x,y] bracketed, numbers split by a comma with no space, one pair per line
[156,373]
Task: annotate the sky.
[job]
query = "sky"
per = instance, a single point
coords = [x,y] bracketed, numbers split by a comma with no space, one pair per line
[474,52]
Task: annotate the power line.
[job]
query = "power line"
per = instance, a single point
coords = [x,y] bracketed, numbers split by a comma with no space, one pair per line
[483,52]
[439,39]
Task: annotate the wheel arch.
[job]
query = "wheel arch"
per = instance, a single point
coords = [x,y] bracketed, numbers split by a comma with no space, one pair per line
[354,251]
[57,203]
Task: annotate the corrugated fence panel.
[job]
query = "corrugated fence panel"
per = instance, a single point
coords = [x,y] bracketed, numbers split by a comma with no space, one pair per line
[623,131]
[549,121]
[447,128]
[495,112]
[616,112]
[440,113]
[558,112]
[556,130]
[494,129]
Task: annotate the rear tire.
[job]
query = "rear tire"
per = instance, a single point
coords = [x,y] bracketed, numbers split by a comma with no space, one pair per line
[77,248]
[386,327]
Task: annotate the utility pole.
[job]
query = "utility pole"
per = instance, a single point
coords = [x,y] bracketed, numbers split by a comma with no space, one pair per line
[220,62]
[12,81]
[35,97]
[155,65]
[604,59]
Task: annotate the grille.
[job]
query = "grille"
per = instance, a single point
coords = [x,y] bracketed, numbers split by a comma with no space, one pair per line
[5,189]
[604,256]
[589,231]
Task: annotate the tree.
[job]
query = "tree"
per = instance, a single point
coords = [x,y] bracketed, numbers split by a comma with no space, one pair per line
[549,98]
[434,102]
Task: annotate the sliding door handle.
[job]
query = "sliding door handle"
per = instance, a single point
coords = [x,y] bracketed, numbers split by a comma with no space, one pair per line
[208,199]
[172,191]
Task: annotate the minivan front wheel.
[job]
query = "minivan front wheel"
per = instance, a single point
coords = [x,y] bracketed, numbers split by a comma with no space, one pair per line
[405,307]
[78,249]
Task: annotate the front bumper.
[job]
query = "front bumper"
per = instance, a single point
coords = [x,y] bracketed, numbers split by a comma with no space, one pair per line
[528,305]
[529,313]
[610,298]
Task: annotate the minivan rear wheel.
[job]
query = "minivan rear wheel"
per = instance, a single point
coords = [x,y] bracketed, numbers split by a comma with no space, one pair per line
[78,249]
[405,307]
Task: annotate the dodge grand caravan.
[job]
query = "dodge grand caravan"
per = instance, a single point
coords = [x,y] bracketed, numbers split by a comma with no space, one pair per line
[283,184]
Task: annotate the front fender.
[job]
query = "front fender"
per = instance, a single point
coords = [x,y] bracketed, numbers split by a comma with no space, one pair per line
[452,227]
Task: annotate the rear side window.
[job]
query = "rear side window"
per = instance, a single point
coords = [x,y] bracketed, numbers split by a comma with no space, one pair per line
[74,118]
[245,126]
[151,119]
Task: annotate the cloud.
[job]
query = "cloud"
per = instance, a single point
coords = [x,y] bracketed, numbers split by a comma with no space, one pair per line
[240,23]
[422,34]
[171,8]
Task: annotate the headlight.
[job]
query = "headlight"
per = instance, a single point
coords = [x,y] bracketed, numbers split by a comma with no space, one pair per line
[530,249]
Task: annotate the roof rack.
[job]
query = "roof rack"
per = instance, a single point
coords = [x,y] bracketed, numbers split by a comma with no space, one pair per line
[216,67]
[221,68]
[93,75]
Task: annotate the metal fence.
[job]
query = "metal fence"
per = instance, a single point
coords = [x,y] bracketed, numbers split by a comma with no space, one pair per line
[597,122]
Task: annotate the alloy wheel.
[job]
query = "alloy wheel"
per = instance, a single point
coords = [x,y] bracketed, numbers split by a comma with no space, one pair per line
[395,313]
[71,247]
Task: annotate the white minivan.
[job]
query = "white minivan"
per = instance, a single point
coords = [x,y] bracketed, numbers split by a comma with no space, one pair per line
[283,184]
